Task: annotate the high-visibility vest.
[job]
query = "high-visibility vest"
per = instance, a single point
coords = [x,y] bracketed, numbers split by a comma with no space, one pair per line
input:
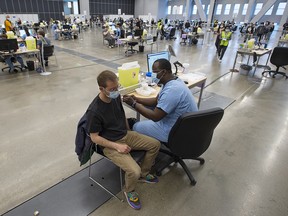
[225,37]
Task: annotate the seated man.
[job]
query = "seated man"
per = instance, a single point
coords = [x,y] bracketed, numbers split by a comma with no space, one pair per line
[108,127]
[173,100]
[41,39]
[9,60]
[107,36]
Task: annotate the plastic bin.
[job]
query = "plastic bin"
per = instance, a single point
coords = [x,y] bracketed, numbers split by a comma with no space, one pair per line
[141,48]
[244,69]
[30,65]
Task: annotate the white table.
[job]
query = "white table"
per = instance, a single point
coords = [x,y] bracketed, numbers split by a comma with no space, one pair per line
[259,53]
[193,79]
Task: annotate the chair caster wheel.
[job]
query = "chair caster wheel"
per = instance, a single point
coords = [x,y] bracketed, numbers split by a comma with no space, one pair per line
[193,183]
[202,162]
[159,173]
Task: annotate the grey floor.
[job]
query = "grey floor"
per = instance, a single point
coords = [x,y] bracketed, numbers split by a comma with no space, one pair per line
[246,165]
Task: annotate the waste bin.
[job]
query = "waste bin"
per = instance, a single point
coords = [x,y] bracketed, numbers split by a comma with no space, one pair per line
[141,48]
[30,65]
[244,69]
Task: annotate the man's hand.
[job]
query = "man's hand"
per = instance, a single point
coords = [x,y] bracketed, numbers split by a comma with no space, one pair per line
[129,99]
[123,148]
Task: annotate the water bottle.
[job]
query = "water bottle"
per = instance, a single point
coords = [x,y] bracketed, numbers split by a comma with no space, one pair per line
[149,78]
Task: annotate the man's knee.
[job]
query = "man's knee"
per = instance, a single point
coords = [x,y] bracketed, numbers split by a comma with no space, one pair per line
[133,172]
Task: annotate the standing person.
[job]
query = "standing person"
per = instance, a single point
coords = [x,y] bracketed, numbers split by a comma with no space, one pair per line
[218,40]
[260,31]
[42,41]
[108,127]
[225,37]
[8,24]
[54,30]
[173,100]
[159,27]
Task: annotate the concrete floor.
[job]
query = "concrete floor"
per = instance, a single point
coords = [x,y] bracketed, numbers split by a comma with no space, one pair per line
[246,165]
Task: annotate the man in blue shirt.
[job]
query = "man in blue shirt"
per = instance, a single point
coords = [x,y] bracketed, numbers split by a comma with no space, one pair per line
[41,39]
[173,100]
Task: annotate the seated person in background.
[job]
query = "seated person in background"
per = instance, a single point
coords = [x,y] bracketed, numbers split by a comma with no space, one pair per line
[108,127]
[9,60]
[173,100]
[168,30]
[42,41]
[107,36]
[118,31]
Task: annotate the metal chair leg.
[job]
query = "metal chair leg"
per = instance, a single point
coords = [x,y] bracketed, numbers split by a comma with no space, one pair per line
[100,185]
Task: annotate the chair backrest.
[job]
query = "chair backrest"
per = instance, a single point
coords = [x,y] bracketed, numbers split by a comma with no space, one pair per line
[192,133]
[279,56]
[48,50]
[122,34]
[172,32]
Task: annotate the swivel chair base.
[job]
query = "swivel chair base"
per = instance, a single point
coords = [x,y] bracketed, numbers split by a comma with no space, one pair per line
[15,67]
[165,161]
[274,73]
[131,50]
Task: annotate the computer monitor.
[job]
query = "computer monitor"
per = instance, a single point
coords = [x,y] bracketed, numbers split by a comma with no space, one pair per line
[22,33]
[138,32]
[151,58]
[8,45]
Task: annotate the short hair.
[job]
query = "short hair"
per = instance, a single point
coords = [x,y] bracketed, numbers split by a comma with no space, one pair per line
[41,32]
[104,76]
[163,64]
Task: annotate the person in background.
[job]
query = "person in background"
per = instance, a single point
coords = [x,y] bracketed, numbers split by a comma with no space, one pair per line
[54,30]
[218,40]
[8,24]
[173,100]
[42,41]
[118,31]
[224,37]
[109,128]
[27,33]
[9,60]
[260,31]
[107,36]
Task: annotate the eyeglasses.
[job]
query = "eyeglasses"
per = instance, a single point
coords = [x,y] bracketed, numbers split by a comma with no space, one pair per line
[113,89]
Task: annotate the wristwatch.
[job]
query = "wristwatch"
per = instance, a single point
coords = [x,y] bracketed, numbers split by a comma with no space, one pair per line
[134,104]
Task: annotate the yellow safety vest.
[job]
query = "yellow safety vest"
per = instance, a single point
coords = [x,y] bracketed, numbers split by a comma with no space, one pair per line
[225,37]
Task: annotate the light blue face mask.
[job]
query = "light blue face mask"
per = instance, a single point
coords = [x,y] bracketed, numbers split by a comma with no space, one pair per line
[114,94]
[154,78]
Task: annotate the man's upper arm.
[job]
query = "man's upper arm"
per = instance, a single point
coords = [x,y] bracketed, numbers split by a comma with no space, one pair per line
[167,101]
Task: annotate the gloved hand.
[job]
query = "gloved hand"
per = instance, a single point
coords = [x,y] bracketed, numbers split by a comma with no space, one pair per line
[128,99]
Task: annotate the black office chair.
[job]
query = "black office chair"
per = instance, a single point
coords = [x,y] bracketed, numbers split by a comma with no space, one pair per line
[172,34]
[48,52]
[122,34]
[189,138]
[279,59]
[15,66]
[184,38]
[131,45]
